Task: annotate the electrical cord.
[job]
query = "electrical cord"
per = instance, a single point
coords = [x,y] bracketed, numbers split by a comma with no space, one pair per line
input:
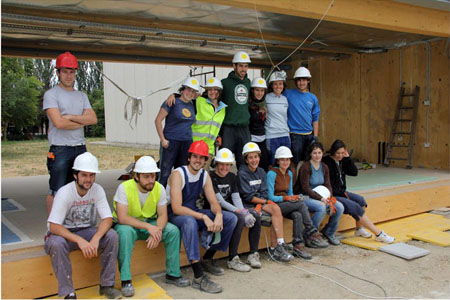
[332,280]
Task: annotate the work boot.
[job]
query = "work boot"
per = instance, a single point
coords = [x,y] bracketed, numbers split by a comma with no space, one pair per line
[289,247]
[209,265]
[71,296]
[384,238]
[331,239]
[300,251]
[362,232]
[178,281]
[253,260]
[315,240]
[280,254]
[127,289]
[237,265]
[205,284]
[110,292]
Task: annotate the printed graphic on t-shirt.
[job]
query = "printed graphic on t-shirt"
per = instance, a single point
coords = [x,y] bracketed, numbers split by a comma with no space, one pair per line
[224,190]
[255,182]
[241,94]
[186,112]
[81,214]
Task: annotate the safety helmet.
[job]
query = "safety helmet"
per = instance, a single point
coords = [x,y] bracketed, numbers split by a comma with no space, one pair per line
[192,83]
[200,148]
[302,72]
[86,162]
[224,155]
[322,191]
[250,147]
[146,164]
[283,152]
[241,57]
[278,75]
[66,60]
[213,82]
[259,82]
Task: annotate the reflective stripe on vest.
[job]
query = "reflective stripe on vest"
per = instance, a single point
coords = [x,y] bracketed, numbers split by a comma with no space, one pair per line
[134,205]
[207,124]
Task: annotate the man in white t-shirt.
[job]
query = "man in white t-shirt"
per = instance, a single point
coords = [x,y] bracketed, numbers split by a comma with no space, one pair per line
[140,208]
[68,111]
[72,225]
[185,186]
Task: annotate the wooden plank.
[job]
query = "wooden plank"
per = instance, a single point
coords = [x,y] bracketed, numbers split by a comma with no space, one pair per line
[382,14]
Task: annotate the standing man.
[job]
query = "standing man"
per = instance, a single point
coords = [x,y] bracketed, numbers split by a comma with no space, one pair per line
[185,186]
[236,88]
[72,225]
[68,111]
[140,207]
[303,115]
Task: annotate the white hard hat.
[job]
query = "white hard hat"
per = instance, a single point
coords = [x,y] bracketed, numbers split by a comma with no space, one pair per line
[283,152]
[224,155]
[302,72]
[145,164]
[192,83]
[86,162]
[213,82]
[259,82]
[250,147]
[322,191]
[241,57]
[276,76]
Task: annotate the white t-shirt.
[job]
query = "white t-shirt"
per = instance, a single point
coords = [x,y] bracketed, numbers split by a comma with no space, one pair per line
[191,178]
[73,211]
[121,196]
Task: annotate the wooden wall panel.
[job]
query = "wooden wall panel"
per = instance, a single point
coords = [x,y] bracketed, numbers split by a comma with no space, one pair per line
[358,97]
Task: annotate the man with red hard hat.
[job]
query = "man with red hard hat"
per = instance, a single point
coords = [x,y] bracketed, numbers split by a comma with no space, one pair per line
[185,186]
[68,111]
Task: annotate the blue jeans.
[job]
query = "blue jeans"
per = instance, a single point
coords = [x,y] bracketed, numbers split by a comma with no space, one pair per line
[59,164]
[274,144]
[189,227]
[299,146]
[318,208]
[174,156]
[353,205]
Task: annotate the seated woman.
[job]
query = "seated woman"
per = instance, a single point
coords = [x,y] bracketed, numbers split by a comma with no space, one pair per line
[225,186]
[253,189]
[279,183]
[340,164]
[176,138]
[314,173]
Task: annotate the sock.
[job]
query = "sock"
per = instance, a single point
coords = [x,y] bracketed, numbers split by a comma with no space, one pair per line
[280,241]
[171,277]
[380,233]
[209,254]
[231,256]
[197,268]
[125,282]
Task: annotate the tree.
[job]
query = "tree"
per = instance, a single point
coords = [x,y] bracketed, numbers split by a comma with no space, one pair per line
[20,94]
[88,78]
[97,102]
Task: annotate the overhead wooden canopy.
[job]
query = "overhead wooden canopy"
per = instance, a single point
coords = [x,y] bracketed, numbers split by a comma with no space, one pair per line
[211,31]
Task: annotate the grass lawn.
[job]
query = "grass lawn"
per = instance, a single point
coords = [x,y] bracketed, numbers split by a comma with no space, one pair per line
[29,158]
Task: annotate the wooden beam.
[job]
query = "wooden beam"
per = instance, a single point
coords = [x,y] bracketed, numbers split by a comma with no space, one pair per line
[381,14]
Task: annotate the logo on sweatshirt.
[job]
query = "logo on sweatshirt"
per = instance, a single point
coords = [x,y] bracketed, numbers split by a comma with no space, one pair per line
[241,94]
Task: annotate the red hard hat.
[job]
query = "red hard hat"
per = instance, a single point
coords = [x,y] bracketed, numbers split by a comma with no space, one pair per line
[66,60]
[200,148]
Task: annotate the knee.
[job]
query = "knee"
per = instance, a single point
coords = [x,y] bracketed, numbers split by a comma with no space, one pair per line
[229,219]
[124,231]
[55,243]
[339,208]
[172,231]
[189,225]
[111,236]
[240,220]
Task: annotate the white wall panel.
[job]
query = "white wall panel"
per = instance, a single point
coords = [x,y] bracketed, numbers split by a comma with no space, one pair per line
[139,80]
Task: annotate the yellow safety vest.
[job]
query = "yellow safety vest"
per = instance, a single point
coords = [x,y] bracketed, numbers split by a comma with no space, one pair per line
[134,205]
[207,123]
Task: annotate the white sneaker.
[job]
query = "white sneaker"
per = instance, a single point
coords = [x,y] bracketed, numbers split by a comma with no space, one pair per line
[253,260]
[237,265]
[384,238]
[362,232]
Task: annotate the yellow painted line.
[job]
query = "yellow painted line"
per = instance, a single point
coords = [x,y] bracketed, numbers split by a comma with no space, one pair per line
[144,286]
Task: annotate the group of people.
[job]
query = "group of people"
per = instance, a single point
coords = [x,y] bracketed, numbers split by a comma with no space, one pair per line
[266,135]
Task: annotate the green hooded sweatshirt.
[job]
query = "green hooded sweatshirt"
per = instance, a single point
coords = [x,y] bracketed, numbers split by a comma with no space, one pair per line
[235,94]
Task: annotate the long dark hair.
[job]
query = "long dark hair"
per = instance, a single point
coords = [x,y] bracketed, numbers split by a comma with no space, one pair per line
[337,144]
[312,147]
